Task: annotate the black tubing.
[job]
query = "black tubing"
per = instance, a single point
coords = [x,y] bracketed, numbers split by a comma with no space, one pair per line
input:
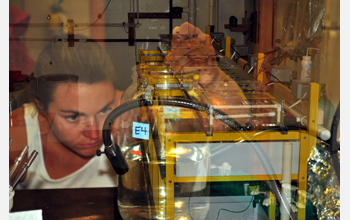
[335,146]
[127,106]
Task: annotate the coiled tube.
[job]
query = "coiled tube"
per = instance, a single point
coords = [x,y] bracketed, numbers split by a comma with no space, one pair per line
[127,106]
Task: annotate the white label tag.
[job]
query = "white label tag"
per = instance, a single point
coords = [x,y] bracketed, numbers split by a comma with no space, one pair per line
[140,130]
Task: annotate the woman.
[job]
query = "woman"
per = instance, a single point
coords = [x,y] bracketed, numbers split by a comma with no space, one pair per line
[193,52]
[73,94]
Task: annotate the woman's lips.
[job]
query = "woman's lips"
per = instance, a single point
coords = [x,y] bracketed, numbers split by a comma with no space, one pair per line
[90,145]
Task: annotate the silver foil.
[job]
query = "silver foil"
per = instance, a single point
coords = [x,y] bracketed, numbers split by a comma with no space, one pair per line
[323,183]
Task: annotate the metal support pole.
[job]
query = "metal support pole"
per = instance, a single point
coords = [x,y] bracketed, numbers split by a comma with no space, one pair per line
[286,176]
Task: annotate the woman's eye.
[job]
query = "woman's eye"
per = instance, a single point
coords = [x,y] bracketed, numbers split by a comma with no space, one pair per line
[72,118]
[105,111]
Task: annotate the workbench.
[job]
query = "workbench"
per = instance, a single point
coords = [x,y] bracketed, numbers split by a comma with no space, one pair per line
[78,204]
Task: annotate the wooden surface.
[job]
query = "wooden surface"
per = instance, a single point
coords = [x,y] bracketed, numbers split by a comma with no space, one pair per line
[77,204]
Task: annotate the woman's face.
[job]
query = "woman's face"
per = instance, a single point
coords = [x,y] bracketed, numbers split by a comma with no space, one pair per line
[191,53]
[77,113]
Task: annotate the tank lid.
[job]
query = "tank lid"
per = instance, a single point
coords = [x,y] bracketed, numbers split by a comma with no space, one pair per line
[307,58]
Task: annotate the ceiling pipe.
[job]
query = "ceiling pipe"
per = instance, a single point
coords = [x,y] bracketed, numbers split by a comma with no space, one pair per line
[192,6]
[211,12]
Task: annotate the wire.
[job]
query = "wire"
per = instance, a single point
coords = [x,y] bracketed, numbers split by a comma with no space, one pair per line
[235,51]
[135,43]
[246,64]
[266,60]
[222,209]
[274,77]
[260,70]
[98,17]
[124,28]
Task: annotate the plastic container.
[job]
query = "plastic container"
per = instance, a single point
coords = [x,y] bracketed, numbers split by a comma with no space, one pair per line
[305,73]
[143,192]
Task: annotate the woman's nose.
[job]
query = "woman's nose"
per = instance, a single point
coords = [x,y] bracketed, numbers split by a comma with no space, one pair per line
[90,130]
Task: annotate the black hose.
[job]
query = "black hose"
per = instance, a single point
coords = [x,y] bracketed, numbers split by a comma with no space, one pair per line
[127,106]
[335,146]
[284,129]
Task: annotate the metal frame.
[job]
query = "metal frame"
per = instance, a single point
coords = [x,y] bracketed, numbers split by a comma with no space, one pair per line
[307,141]
[164,200]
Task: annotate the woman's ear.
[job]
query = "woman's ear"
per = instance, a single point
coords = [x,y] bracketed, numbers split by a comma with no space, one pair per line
[118,97]
[40,106]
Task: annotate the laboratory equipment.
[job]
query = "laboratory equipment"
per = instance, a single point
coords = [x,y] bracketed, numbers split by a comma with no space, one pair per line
[18,161]
[281,74]
[24,169]
[180,134]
